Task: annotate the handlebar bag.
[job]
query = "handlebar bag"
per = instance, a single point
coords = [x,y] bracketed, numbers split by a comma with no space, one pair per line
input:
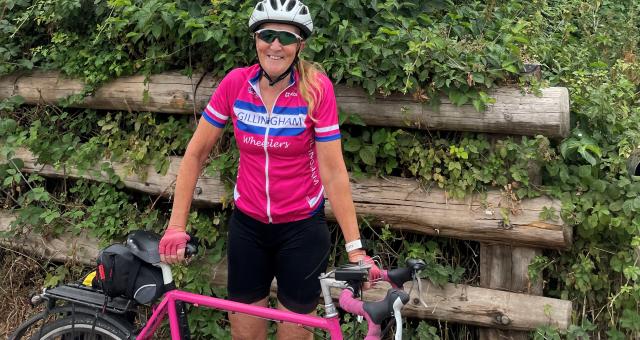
[121,273]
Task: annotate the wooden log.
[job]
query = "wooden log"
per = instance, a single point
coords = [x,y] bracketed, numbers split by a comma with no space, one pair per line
[453,303]
[77,248]
[400,202]
[513,112]
[506,268]
[466,304]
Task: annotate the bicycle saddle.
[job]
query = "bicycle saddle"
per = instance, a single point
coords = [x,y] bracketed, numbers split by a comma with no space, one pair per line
[144,245]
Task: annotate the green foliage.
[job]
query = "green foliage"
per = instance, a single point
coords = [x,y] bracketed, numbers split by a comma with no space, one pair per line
[458,164]
[197,275]
[352,327]
[426,332]
[437,272]
[459,49]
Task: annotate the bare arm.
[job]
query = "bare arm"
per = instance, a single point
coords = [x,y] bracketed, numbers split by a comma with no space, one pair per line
[200,145]
[335,179]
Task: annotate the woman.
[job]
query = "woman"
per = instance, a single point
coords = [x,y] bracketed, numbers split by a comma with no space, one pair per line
[285,121]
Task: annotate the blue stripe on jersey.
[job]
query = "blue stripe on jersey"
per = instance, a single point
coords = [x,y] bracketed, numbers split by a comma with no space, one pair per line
[328,138]
[259,130]
[242,105]
[212,121]
[281,110]
[255,78]
[292,110]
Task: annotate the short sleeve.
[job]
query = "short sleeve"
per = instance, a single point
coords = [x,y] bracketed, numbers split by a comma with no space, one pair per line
[326,114]
[218,110]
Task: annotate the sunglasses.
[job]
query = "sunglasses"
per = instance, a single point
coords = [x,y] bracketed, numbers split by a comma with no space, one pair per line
[284,37]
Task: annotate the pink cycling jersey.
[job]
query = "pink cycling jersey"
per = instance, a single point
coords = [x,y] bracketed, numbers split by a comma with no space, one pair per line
[278,176]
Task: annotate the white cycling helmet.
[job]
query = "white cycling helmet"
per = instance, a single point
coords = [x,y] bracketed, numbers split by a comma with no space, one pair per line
[292,12]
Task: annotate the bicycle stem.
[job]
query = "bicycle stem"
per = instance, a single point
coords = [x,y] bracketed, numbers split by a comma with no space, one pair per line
[326,282]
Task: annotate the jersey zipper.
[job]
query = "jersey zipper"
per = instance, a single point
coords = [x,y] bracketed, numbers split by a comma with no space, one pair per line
[266,152]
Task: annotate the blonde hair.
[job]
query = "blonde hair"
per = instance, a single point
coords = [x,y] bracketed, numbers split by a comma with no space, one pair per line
[309,85]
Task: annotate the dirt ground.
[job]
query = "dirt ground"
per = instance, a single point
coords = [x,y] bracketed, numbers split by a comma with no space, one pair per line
[20,276]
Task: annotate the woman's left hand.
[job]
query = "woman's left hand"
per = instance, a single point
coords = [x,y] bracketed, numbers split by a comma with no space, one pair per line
[357,255]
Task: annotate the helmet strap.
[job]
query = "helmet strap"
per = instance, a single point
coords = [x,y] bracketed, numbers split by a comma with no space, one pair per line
[273,82]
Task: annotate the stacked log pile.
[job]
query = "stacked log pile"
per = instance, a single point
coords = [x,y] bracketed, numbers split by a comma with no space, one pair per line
[507,303]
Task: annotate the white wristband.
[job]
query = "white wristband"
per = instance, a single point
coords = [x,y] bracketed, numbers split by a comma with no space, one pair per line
[353,245]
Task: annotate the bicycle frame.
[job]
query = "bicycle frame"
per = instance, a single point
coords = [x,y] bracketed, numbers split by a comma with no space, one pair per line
[168,306]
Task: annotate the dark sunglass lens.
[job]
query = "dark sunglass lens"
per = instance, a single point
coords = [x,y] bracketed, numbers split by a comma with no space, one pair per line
[267,36]
[287,38]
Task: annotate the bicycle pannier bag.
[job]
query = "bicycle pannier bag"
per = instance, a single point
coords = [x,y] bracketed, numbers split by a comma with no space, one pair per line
[121,273]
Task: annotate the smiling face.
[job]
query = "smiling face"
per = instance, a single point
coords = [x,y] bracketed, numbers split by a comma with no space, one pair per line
[274,57]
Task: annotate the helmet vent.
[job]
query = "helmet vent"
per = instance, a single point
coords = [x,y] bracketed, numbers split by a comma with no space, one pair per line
[292,12]
[291,5]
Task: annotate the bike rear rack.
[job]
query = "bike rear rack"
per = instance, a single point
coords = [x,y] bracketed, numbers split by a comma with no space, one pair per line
[89,297]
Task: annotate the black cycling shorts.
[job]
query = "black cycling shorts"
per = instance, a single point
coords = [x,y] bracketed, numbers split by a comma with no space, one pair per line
[295,253]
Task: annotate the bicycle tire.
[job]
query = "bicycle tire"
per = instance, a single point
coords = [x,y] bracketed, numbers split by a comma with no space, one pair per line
[79,328]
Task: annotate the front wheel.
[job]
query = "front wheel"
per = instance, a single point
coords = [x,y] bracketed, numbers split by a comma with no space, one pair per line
[79,327]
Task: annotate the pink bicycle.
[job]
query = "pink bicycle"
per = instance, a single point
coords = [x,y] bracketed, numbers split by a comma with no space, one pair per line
[75,311]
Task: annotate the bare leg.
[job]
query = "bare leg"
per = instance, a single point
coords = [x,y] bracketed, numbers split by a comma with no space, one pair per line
[247,327]
[289,331]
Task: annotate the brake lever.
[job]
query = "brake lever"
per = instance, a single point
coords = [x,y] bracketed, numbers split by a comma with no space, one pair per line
[398,317]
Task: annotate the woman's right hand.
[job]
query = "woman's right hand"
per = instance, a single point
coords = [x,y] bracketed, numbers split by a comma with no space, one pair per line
[172,245]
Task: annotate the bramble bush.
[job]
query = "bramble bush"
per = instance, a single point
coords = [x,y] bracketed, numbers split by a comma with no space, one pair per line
[457,49]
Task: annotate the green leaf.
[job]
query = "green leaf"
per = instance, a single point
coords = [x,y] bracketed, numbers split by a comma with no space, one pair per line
[478,105]
[585,171]
[368,155]
[587,156]
[510,68]
[356,71]
[50,215]
[630,320]
[458,98]
[355,119]
[26,63]
[632,273]
[616,206]
[39,194]
[168,19]
[599,185]
[156,30]
[379,137]
[352,144]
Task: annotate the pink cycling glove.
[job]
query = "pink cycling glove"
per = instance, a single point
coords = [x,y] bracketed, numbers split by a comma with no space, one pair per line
[374,272]
[172,241]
